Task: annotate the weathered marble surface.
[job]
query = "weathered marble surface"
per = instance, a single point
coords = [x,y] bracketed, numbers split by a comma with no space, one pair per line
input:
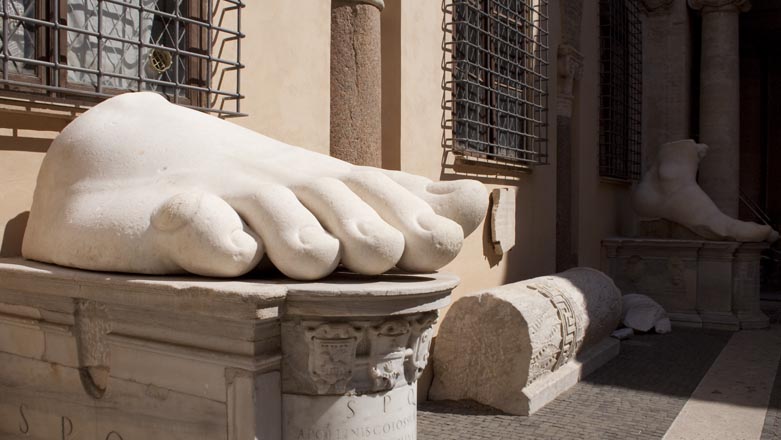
[137,184]
[515,347]
[669,190]
[109,356]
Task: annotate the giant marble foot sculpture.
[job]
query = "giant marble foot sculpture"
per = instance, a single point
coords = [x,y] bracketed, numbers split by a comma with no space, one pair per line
[137,184]
[669,190]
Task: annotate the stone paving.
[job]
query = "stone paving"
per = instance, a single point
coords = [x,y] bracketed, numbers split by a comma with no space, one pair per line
[637,395]
[772,427]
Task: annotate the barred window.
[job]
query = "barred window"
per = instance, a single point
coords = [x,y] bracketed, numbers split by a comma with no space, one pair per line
[620,80]
[496,95]
[92,49]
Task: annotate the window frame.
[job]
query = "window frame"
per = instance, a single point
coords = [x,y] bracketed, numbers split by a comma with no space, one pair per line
[620,90]
[195,89]
[501,124]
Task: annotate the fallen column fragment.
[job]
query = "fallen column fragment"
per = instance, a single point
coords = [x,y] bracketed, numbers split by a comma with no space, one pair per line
[516,347]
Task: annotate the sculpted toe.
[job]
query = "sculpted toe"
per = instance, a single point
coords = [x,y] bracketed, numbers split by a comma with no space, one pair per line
[436,242]
[202,234]
[295,241]
[463,201]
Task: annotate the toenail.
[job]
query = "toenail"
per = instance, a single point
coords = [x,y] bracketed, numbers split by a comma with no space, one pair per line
[241,239]
[312,236]
[429,222]
[440,188]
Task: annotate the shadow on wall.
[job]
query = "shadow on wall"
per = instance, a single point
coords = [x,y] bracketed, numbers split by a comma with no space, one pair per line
[13,234]
[26,131]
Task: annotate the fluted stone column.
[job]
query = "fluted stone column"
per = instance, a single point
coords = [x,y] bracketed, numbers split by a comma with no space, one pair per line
[720,101]
[356,127]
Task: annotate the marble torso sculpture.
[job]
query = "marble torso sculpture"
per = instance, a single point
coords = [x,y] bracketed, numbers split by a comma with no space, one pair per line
[137,184]
[669,190]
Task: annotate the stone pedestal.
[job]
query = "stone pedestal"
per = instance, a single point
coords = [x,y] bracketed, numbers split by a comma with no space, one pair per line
[700,283]
[745,286]
[353,357]
[87,355]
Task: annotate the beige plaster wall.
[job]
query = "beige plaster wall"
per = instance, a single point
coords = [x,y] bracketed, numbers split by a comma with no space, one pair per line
[603,207]
[412,142]
[24,138]
[287,76]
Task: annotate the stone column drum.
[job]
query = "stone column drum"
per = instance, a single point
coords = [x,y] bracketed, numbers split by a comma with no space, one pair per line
[356,81]
[353,355]
[516,347]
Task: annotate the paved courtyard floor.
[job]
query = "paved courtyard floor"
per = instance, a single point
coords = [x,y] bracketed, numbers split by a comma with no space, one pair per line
[688,384]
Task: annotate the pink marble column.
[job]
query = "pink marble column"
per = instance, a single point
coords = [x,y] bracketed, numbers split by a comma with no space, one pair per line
[719,172]
[356,108]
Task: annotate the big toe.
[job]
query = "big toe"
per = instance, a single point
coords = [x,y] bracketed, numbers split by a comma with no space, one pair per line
[463,201]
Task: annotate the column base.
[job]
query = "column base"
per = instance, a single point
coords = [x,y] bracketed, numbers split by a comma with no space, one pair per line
[753,320]
[685,319]
[719,321]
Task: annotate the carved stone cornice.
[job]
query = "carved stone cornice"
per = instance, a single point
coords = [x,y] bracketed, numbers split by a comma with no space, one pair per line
[708,6]
[657,7]
[570,69]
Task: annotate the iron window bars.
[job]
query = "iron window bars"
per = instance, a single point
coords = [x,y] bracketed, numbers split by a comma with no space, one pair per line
[187,50]
[495,96]
[620,102]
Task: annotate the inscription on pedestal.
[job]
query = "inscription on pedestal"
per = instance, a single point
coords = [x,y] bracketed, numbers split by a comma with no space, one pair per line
[381,416]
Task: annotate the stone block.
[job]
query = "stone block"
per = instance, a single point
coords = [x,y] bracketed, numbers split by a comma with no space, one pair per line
[700,283]
[108,356]
[516,347]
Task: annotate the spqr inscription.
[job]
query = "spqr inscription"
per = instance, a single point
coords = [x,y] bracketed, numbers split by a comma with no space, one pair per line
[66,426]
[383,416]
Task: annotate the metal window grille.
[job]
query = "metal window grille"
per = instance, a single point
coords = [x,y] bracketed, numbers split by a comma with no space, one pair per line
[620,90]
[496,94]
[84,50]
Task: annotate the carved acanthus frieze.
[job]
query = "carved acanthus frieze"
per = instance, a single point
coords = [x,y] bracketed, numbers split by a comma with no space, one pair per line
[388,343]
[332,356]
[422,334]
[362,356]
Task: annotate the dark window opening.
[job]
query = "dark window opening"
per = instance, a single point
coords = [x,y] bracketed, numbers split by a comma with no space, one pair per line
[496,97]
[620,101]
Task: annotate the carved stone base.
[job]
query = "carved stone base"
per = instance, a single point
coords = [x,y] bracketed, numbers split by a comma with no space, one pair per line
[108,356]
[543,391]
[700,283]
